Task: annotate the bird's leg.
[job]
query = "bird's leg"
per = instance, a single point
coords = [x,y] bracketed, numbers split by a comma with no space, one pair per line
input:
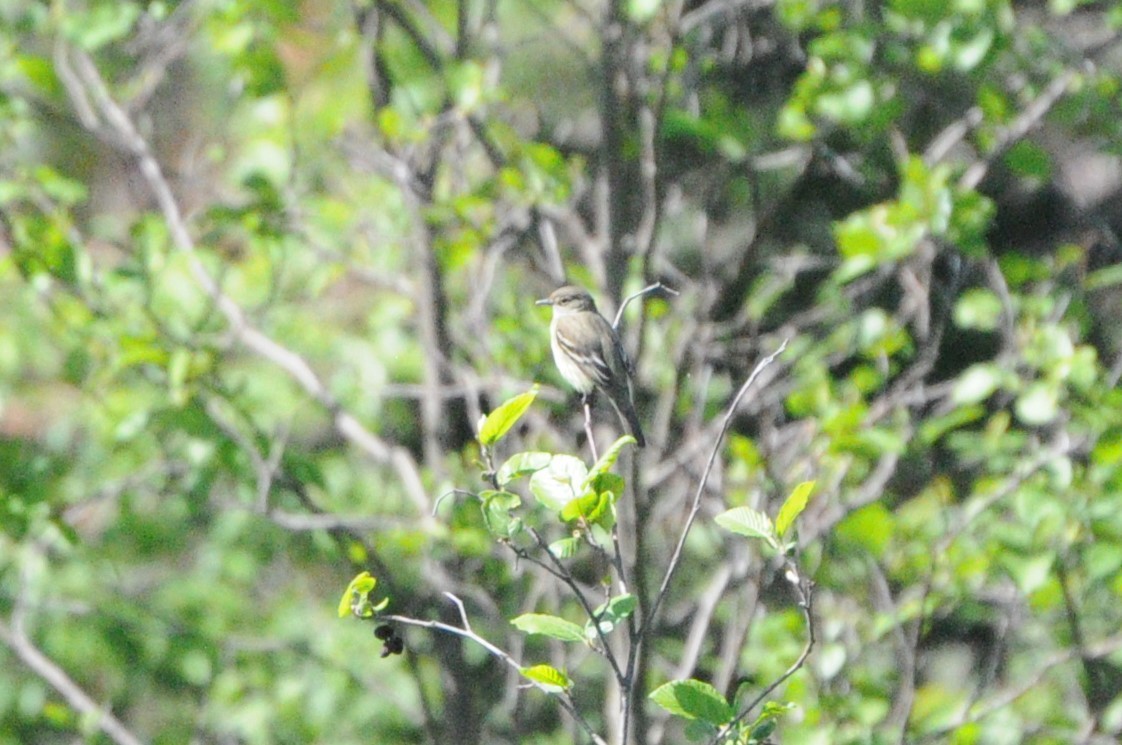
[586,401]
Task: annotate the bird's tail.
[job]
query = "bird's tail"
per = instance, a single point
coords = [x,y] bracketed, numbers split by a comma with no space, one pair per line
[626,410]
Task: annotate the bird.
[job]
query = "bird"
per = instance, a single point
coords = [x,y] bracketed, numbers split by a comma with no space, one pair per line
[588,353]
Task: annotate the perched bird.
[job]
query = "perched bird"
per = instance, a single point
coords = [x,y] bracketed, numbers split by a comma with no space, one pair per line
[588,353]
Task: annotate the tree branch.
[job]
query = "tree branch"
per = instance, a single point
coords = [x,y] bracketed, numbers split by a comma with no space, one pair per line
[56,677]
[88,86]
[466,632]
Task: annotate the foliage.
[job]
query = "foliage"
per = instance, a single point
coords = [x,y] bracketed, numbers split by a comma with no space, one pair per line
[264,267]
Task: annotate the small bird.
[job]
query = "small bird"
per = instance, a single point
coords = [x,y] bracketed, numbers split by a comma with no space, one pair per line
[588,353]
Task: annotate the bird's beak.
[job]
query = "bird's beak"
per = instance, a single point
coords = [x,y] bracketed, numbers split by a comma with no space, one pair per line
[543,301]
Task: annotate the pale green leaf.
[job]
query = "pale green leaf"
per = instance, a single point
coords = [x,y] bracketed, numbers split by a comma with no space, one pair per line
[608,459]
[560,482]
[793,507]
[693,699]
[748,522]
[548,678]
[610,614]
[976,384]
[547,625]
[356,593]
[496,509]
[522,464]
[565,548]
[1038,405]
[499,421]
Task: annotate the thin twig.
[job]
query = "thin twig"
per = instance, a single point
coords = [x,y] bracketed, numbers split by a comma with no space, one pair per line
[695,506]
[563,574]
[1020,127]
[588,428]
[88,85]
[646,290]
[56,677]
[804,588]
[498,653]
[650,620]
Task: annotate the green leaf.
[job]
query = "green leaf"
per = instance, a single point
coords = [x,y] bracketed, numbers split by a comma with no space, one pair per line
[849,105]
[607,482]
[1029,572]
[565,548]
[59,187]
[589,507]
[1107,277]
[102,24]
[750,523]
[522,464]
[356,593]
[978,309]
[765,723]
[1038,405]
[937,426]
[870,527]
[610,614]
[547,625]
[594,506]
[641,11]
[496,507]
[560,482]
[549,679]
[976,383]
[693,699]
[609,458]
[498,422]
[1028,159]
[793,507]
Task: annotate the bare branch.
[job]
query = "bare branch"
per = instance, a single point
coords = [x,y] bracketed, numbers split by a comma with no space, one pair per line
[649,622]
[56,677]
[89,85]
[695,505]
[656,287]
[1004,698]
[564,699]
[1019,128]
[803,587]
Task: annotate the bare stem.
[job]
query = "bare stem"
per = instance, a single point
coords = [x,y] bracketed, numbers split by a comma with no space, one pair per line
[645,291]
[56,677]
[648,622]
[804,589]
[498,653]
[103,115]
[695,506]
[588,428]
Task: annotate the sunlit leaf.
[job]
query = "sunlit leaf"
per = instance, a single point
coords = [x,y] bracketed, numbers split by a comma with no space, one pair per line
[1039,404]
[358,590]
[792,507]
[496,506]
[976,383]
[750,523]
[560,482]
[610,614]
[548,678]
[499,421]
[522,464]
[608,459]
[547,625]
[693,699]
[566,548]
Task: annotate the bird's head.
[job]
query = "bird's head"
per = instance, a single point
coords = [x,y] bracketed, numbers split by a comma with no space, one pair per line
[569,299]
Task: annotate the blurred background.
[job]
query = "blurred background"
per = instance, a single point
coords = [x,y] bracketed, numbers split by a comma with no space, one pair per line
[264,264]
